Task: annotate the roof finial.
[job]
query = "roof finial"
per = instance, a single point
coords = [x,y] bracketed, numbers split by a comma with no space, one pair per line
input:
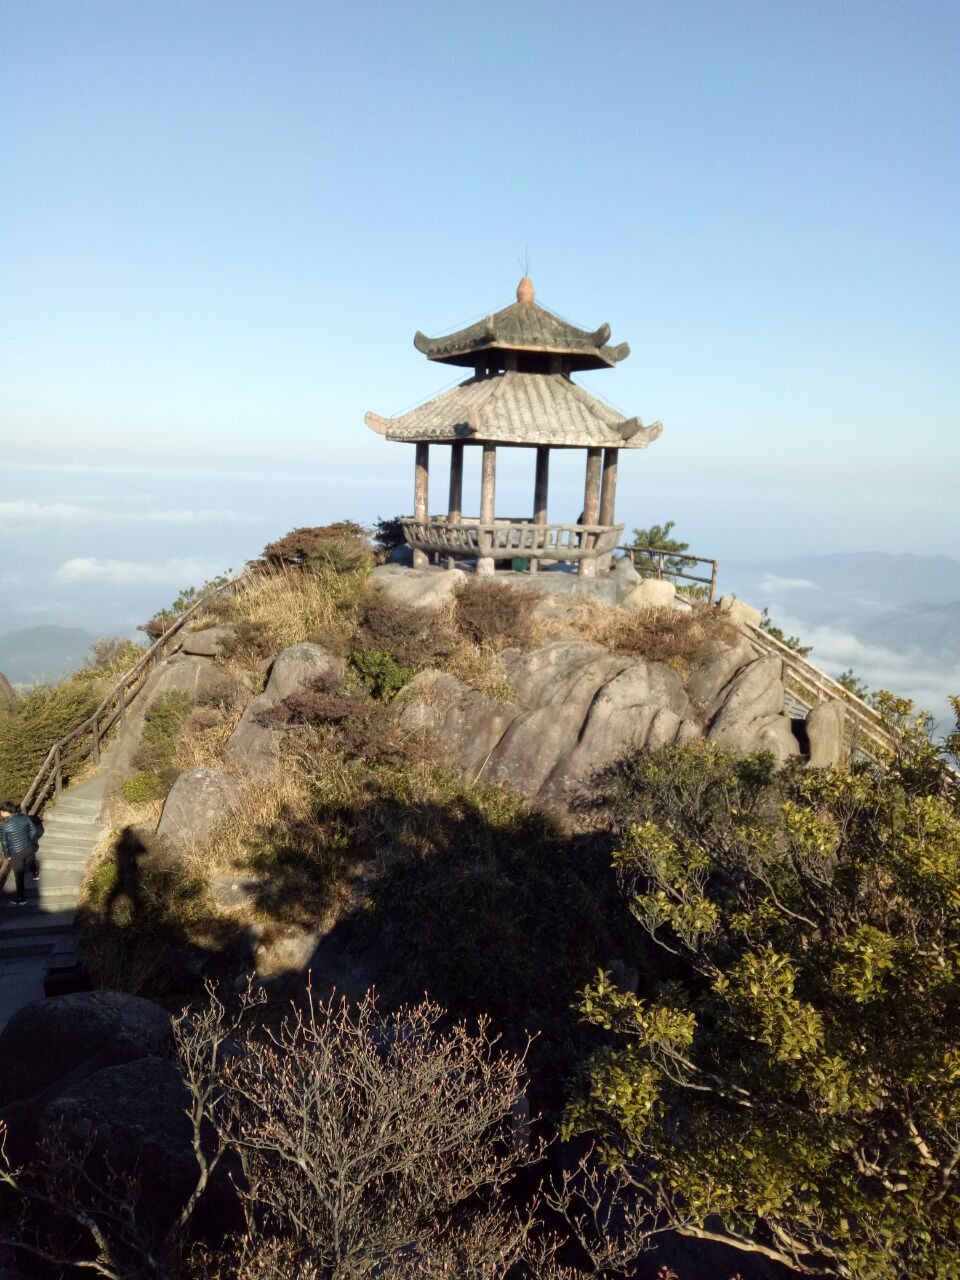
[525,290]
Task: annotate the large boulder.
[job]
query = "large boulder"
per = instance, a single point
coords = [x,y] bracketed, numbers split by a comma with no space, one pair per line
[254,745]
[131,1117]
[198,800]
[208,643]
[708,683]
[825,726]
[753,698]
[199,678]
[418,588]
[48,1039]
[739,612]
[649,593]
[577,708]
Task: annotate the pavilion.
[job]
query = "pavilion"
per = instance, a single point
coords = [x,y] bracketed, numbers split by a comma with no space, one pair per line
[521,395]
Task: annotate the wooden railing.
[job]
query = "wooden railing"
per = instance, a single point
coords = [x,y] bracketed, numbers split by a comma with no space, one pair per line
[507,538]
[662,569]
[85,739]
[811,685]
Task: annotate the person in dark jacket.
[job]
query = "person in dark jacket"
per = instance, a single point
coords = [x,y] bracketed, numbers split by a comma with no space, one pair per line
[19,838]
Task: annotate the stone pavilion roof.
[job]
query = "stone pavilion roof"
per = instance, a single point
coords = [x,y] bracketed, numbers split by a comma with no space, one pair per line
[521,409]
[525,326]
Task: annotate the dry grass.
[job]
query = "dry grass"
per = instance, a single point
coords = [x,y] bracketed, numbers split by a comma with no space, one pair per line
[482,669]
[295,607]
[203,747]
[284,798]
[676,638]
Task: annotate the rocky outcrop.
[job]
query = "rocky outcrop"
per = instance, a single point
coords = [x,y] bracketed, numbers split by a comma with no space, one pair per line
[710,682]
[48,1039]
[649,593]
[578,708]
[133,1117]
[211,642]
[753,700]
[254,746]
[418,588]
[200,679]
[198,800]
[739,612]
[825,726]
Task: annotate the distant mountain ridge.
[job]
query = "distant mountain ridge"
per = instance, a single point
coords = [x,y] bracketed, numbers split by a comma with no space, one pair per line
[844,588]
[36,654]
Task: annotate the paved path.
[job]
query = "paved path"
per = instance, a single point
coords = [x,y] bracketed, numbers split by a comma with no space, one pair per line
[40,937]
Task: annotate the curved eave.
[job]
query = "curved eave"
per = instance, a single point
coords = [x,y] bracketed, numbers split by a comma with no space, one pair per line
[578,358]
[520,409]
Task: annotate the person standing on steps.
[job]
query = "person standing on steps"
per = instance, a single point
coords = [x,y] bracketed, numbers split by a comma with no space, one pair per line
[19,839]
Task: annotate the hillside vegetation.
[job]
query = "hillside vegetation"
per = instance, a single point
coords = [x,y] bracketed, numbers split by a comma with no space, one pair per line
[742,982]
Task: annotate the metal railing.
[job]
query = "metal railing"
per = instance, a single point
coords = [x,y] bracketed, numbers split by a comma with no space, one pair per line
[85,739]
[662,569]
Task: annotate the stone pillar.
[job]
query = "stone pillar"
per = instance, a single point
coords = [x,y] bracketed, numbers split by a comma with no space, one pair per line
[421,498]
[455,506]
[540,486]
[591,506]
[608,498]
[488,486]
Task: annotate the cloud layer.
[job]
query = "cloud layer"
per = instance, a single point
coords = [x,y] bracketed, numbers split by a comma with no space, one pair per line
[180,572]
[21,513]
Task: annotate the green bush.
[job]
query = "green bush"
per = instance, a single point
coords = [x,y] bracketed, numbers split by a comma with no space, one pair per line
[158,744]
[31,724]
[380,671]
[143,786]
[794,1077]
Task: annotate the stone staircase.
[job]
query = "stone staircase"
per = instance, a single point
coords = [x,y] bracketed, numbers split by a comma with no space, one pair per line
[39,939]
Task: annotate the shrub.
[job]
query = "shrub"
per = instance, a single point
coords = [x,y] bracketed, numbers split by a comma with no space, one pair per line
[154,759]
[388,534]
[495,613]
[417,637]
[249,641]
[33,722]
[380,671]
[342,547]
[795,1082]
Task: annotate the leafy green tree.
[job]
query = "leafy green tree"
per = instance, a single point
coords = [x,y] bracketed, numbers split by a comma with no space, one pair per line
[793,1086]
[657,538]
[768,625]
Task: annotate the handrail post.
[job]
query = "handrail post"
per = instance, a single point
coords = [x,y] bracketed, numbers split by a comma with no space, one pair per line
[58,774]
[96,742]
[123,705]
[713,582]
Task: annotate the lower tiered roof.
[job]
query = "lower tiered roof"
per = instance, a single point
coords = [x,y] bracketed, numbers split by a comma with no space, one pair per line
[522,409]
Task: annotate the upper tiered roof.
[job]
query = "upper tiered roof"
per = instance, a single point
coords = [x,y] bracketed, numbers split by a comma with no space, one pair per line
[525,326]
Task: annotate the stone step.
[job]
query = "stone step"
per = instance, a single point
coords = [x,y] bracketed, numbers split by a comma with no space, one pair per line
[27,922]
[16,949]
[69,822]
[76,804]
[66,849]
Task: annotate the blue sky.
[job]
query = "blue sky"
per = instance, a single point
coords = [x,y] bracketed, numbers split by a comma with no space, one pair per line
[221,224]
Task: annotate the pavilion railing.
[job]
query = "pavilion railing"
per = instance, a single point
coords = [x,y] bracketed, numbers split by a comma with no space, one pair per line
[508,538]
[662,564]
[84,741]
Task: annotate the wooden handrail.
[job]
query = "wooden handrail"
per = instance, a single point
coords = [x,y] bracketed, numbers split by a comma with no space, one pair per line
[663,571]
[50,773]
